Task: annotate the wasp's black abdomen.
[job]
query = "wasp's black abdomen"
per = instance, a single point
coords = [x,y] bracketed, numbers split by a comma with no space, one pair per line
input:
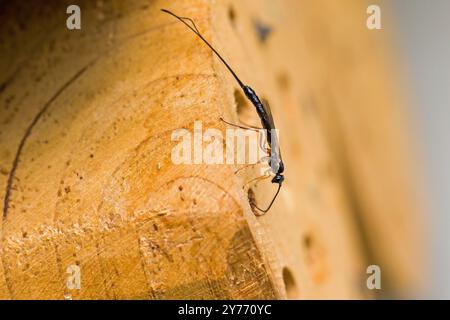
[253,97]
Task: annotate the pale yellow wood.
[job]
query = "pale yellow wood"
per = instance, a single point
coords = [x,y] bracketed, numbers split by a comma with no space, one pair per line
[95,185]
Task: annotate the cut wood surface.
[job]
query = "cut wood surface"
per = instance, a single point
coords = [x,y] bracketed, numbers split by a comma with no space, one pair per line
[85,153]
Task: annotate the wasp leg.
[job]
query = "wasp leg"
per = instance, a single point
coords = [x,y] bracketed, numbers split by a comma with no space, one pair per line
[242,127]
[258,179]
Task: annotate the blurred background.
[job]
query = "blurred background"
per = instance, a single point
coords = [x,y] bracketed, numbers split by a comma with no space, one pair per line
[422,36]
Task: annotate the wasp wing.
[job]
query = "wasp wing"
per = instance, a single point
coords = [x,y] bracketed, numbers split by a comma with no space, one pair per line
[268,112]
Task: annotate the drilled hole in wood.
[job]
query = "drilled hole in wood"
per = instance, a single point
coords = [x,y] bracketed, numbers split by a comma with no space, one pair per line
[232,15]
[283,81]
[262,30]
[246,113]
[242,105]
[307,241]
[290,285]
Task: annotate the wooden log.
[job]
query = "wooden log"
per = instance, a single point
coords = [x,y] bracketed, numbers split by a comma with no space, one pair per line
[85,153]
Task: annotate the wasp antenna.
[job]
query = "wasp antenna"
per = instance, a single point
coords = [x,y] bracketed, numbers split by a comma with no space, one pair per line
[195,30]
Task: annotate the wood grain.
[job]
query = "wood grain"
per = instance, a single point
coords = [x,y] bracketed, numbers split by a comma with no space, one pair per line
[85,153]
